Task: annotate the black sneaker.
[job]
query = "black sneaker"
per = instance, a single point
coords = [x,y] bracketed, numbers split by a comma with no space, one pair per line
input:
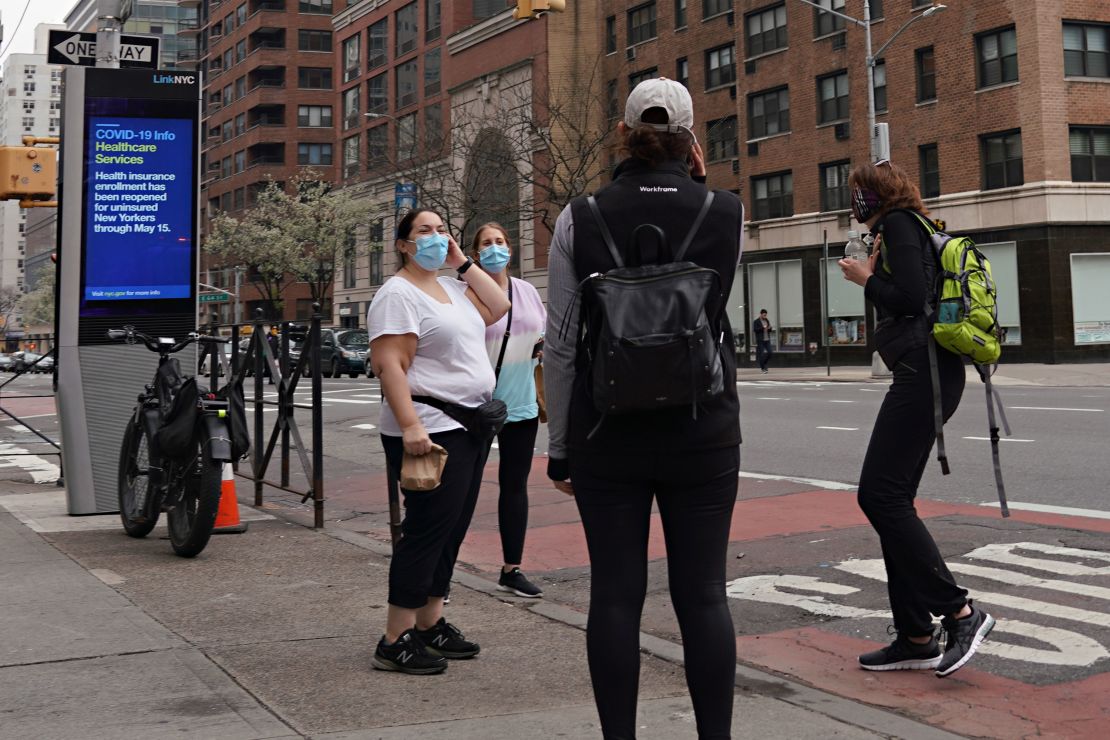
[515,583]
[407,655]
[903,655]
[963,638]
[445,639]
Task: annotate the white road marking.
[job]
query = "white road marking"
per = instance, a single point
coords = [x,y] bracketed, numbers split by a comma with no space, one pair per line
[1049,509]
[1004,439]
[36,416]
[1051,408]
[1022,579]
[1005,553]
[836,401]
[40,470]
[771,398]
[870,390]
[841,429]
[364,426]
[828,484]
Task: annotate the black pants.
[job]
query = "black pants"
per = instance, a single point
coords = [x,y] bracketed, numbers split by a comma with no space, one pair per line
[763,352]
[918,581]
[695,494]
[435,521]
[516,445]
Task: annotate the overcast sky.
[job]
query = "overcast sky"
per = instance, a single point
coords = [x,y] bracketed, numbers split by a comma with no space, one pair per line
[38,11]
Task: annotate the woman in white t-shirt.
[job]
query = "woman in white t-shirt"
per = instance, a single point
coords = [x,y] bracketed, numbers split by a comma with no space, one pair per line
[427,337]
[515,346]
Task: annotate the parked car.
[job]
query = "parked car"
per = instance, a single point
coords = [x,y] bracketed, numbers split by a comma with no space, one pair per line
[5,362]
[23,360]
[46,365]
[344,351]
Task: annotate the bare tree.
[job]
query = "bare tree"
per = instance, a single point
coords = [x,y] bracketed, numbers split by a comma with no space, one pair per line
[11,301]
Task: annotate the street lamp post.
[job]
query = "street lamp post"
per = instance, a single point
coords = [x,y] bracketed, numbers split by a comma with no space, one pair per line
[880,146]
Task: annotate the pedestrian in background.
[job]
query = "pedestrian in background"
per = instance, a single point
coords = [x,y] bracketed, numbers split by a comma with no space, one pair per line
[899,278]
[513,343]
[427,337]
[688,467]
[762,331]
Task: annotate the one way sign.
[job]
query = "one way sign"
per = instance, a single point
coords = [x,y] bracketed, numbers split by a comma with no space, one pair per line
[72,47]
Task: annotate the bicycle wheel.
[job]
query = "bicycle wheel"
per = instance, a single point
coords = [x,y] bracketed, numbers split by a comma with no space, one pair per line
[134,483]
[193,512]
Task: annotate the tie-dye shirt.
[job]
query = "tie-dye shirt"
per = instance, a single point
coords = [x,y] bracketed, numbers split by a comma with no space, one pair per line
[516,385]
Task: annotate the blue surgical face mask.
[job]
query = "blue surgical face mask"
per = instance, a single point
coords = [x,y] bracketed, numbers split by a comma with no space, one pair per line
[494,258]
[431,250]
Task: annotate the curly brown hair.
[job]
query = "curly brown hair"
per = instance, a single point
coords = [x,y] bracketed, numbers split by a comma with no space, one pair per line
[891,183]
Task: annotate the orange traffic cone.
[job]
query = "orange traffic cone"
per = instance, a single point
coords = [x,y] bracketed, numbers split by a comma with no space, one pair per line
[227,516]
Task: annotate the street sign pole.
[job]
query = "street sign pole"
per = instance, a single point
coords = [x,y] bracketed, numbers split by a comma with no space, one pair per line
[108,27]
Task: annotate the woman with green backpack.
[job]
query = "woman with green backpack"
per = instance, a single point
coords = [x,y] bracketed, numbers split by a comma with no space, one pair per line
[899,278]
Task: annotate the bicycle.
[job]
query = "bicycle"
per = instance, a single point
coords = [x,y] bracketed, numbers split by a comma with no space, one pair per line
[174,448]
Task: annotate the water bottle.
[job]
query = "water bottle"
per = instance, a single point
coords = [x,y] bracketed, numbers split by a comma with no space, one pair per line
[856,248]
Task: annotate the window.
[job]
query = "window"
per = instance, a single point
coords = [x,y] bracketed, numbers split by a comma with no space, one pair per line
[929,165]
[225,167]
[1090,154]
[637,77]
[240,124]
[314,6]
[404,26]
[431,19]
[773,196]
[314,78]
[765,30]
[610,34]
[826,23]
[877,8]
[351,61]
[240,161]
[432,72]
[720,66]
[834,186]
[925,66]
[350,156]
[377,40]
[375,266]
[1086,50]
[349,268]
[777,287]
[406,83]
[228,95]
[832,92]
[227,130]
[487,8]
[377,94]
[847,310]
[433,126]
[406,137]
[1004,272]
[641,24]
[711,8]
[768,113]
[997,54]
[241,51]
[612,102]
[879,77]
[377,147]
[1002,162]
[315,40]
[680,13]
[1090,301]
[28,105]
[28,88]
[682,72]
[314,116]
[352,107]
[720,139]
[240,87]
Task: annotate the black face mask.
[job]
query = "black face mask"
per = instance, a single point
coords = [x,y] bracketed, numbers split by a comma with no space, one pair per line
[865,204]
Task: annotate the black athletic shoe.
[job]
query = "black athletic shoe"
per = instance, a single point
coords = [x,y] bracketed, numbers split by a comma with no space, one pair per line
[407,655]
[515,583]
[445,639]
[963,638]
[903,655]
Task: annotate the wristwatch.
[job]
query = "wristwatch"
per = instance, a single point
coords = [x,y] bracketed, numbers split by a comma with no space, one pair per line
[464,266]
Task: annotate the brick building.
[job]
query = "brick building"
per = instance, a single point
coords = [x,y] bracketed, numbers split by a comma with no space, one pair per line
[269,91]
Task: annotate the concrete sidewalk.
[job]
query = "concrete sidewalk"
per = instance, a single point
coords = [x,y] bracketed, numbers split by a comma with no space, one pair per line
[269,635]
[1086,375]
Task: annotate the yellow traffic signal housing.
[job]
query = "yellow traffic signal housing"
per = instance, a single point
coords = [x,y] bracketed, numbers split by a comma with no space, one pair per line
[536,8]
[28,173]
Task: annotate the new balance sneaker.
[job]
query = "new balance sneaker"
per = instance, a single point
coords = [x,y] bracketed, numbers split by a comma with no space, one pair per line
[515,583]
[963,638]
[407,655]
[903,655]
[445,639]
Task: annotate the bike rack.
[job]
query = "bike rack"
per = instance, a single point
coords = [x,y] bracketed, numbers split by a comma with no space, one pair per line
[57,447]
[260,358]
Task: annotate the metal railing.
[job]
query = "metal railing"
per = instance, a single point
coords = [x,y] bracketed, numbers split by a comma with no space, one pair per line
[30,367]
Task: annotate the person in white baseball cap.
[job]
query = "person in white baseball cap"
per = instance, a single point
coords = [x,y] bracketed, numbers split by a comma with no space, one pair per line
[672,97]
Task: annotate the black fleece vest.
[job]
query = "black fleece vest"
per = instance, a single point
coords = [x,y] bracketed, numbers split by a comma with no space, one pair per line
[667,197]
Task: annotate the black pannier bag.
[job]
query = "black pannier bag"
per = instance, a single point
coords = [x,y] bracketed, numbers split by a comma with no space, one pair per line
[166,383]
[175,438]
[236,417]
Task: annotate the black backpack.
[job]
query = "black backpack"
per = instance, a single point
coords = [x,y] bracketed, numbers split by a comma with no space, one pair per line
[650,343]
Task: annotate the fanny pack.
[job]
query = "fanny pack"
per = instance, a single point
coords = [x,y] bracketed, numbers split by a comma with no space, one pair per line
[484,422]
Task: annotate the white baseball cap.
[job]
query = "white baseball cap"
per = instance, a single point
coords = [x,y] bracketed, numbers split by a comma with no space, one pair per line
[660,92]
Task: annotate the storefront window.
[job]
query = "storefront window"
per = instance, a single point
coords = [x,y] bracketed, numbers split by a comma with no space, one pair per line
[734,309]
[1090,301]
[777,287]
[846,318]
[1003,259]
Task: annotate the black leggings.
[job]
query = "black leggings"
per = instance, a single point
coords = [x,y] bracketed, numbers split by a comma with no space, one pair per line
[696,493]
[516,445]
[918,581]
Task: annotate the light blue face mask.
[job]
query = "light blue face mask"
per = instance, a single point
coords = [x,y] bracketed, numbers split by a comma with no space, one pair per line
[494,258]
[431,251]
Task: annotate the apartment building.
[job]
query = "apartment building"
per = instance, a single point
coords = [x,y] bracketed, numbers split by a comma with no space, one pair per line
[172,22]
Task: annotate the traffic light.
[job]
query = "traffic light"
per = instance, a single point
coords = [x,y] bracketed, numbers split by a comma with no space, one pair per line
[28,173]
[536,8]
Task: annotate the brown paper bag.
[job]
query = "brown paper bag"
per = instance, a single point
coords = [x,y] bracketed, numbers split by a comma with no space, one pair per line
[541,397]
[422,472]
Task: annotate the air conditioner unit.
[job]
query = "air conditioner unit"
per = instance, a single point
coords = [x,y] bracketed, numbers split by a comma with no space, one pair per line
[841,131]
[753,148]
[732,92]
[630,53]
[730,18]
[749,68]
[840,41]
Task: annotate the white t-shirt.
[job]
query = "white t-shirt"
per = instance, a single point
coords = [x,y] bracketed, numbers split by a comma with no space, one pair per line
[450,363]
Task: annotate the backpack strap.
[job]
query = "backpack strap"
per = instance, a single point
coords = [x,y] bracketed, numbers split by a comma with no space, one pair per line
[605,234]
[508,330]
[992,399]
[709,195]
[938,412]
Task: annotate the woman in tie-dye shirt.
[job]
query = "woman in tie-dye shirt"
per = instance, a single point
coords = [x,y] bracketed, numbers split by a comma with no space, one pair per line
[516,387]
